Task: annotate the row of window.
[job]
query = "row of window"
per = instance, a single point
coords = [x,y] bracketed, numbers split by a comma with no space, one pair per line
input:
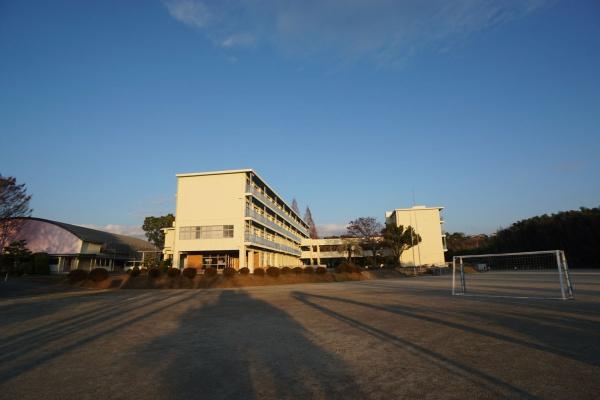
[205,232]
[263,191]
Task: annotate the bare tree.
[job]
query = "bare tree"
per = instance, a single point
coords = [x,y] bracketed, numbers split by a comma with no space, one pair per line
[295,206]
[312,228]
[14,203]
[368,229]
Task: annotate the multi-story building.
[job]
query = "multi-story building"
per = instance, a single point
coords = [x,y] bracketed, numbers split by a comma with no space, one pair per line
[427,223]
[232,218]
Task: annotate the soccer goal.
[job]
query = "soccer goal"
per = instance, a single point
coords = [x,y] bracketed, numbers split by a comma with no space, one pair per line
[534,274]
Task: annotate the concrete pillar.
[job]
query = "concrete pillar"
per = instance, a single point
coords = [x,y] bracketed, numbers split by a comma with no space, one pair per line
[318,254]
[242,257]
[251,260]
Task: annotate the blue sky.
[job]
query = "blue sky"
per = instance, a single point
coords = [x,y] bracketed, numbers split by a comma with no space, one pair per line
[490,109]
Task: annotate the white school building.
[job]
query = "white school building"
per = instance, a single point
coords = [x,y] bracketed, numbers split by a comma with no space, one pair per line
[235,218]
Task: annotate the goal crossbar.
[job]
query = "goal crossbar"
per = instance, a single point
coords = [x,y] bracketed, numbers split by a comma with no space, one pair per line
[564,279]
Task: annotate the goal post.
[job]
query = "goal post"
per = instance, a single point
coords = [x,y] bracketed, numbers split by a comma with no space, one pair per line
[533,274]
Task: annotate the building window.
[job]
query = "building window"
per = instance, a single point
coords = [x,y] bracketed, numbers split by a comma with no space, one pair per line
[205,232]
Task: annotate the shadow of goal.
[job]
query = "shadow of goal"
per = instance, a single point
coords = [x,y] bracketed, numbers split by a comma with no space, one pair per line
[534,274]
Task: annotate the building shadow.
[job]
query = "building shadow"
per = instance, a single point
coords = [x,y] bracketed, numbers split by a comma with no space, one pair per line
[240,347]
[493,385]
[32,348]
[569,337]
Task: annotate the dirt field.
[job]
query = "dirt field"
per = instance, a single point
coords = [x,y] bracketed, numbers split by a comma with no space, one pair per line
[380,339]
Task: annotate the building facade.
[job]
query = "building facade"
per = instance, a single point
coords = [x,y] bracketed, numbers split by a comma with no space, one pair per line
[76,247]
[427,222]
[232,219]
[235,219]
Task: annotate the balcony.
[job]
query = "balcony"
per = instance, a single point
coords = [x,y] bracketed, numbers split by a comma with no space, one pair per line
[269,202]
[269,243]
[264,220]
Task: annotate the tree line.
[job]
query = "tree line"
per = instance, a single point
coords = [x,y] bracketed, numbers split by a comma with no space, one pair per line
[577,232]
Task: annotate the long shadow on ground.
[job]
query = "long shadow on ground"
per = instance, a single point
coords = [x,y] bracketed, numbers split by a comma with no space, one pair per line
[240,347]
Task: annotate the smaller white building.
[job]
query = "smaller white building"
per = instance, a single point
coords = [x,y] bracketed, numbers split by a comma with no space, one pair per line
[427,222]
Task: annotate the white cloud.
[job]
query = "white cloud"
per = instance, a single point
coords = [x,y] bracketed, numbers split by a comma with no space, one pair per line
[190,12]
[129,230]
[331,229]
[240,39]
[382,31]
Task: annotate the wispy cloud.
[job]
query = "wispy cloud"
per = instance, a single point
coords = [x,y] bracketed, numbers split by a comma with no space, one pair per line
[239,39]
[129,230]
[190,12]
[382,31]
[331,229]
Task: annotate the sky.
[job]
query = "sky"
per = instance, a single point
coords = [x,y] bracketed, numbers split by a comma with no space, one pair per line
[490,109]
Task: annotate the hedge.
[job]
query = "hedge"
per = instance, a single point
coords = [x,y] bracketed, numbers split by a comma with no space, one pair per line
[190,273]
[98,274]
[77,275]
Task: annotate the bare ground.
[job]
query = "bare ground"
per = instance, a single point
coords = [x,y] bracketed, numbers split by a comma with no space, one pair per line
[379,339]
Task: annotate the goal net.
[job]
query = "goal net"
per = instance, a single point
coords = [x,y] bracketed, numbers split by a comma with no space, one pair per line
[535,274]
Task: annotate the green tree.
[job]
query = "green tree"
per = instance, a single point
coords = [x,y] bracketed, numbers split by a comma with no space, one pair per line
[41,263]
[153,228]
[577,232]
[14,204]
[398,239]
[17,255]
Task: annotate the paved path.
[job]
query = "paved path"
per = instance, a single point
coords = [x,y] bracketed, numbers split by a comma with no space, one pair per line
[382,339]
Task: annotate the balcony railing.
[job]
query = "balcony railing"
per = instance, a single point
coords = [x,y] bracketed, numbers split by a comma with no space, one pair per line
[253,214]
[269,243]
[269,202]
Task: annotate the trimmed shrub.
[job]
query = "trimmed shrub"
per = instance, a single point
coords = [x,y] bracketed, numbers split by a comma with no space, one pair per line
[190,273]
[153,273]
[41,263]
[25,267]
[229,272]
[163,268]
[210,271]
[98,274]
[286,270]
[77,275]
[346,267]
[357,269]
[321,270]
[244,271]
[309,270]
[173,272]
[273,271]
[297,270]
[259,272]
[135,271]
